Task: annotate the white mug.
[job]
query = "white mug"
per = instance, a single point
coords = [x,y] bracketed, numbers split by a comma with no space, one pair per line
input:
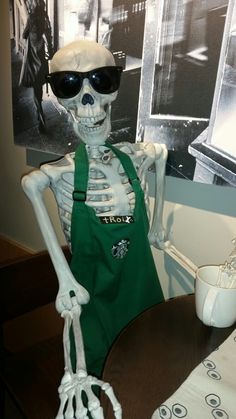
[215,301]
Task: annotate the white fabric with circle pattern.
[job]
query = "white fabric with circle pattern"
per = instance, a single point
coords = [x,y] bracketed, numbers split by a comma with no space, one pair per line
[209,392]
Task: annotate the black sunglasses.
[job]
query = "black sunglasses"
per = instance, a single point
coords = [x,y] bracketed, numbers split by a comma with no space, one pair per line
[67,84]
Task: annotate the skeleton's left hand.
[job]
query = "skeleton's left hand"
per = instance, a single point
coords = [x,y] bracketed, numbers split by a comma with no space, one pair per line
[70,291]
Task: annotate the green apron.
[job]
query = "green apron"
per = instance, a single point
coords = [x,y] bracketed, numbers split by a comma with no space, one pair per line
[112,259]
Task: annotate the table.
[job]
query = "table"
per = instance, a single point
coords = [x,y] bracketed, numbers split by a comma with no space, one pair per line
[155,353]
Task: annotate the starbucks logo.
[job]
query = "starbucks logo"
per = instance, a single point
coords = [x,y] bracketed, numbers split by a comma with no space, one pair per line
[120,249]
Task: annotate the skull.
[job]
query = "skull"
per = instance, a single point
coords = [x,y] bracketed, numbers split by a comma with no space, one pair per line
[90,110]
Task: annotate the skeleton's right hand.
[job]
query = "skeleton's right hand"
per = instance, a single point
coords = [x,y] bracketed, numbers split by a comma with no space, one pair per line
[69,293]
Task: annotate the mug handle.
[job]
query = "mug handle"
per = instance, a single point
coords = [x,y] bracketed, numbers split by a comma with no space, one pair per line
[208,306]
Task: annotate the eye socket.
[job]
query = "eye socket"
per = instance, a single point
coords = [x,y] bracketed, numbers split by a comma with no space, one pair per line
[65,85]
[105,80]
[179,411]
[164,412]
[68,85]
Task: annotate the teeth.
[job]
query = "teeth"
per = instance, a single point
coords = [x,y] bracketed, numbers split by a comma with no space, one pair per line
[91,124]
[85,128]
[93,121]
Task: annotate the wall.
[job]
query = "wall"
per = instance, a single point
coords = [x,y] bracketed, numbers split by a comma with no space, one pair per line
[200,218]
[201,223]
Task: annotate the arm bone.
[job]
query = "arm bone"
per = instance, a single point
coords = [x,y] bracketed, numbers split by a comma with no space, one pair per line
[33,185]
[157,231]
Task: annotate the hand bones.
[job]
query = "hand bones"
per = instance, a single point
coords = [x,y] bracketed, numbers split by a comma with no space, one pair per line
[74,383]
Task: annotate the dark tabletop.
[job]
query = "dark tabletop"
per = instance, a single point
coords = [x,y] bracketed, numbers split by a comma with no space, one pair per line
[155,353]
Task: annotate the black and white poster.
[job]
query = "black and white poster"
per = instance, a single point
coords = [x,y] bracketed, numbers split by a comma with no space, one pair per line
[169,50]
[40,28]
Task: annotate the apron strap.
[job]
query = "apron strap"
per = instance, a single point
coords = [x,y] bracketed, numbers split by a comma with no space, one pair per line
[81,173]
[126,163]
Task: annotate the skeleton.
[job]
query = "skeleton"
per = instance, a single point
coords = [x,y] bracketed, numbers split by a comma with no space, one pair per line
[109,193]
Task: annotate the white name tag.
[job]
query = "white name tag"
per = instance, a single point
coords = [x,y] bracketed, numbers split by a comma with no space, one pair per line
[117,219]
